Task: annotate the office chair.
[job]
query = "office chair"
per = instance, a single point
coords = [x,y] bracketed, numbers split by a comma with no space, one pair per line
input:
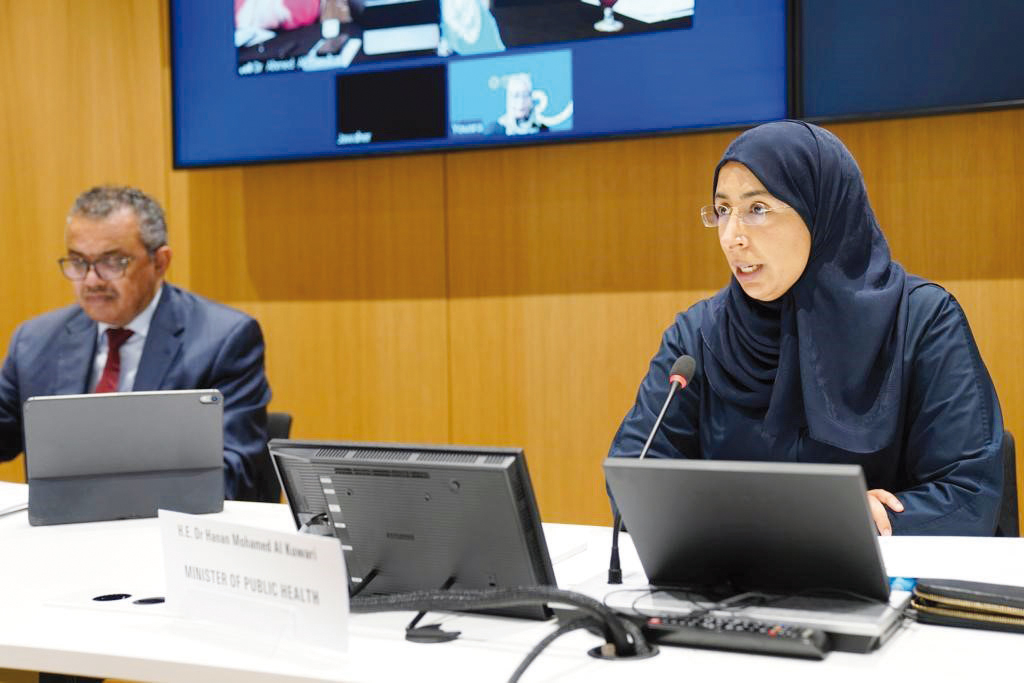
[279,425]
[1009,524]
[268,488]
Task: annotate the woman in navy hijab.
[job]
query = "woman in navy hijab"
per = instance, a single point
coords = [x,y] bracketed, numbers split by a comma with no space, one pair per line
[823,349]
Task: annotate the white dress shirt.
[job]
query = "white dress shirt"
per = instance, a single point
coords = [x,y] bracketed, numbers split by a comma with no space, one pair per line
[131,351]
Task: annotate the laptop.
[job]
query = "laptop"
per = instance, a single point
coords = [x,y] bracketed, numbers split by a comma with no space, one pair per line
[96,457]
[800,535]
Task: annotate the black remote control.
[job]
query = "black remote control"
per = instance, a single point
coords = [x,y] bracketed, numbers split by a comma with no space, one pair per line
[736,633]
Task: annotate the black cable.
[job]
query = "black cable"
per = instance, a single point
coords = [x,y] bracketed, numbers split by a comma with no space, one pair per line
[624,635]
[584,621]
[734,604]
[841,591]
[319,518]
[651,592]
[824,593]
[362,584]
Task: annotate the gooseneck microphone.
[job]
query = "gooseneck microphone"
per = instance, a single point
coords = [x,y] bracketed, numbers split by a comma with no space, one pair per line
[678,377]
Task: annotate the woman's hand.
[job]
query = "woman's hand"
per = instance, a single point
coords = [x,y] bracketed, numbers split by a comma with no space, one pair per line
[878,500]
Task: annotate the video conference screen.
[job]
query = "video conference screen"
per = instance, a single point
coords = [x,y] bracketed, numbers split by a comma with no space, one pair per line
[272,80]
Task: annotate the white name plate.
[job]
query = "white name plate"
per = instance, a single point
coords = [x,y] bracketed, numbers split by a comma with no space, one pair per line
[286,585]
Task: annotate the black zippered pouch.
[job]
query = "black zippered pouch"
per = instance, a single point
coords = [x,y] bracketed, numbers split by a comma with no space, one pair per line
[969,604]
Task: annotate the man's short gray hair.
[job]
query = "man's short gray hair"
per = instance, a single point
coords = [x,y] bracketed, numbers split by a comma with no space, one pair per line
[100,202]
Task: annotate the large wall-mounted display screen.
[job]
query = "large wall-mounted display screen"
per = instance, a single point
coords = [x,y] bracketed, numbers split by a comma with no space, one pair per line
[883,58]
[270,80]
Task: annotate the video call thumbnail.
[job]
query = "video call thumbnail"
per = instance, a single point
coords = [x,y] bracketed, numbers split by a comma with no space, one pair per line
[511,95]
[388,106]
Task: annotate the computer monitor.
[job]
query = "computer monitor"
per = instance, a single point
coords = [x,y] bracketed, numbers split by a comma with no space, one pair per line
[420,517]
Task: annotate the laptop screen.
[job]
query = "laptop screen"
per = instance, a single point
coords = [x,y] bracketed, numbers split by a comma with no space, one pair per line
[725,527]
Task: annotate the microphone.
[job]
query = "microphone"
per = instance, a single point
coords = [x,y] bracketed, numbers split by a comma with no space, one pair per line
[678,377]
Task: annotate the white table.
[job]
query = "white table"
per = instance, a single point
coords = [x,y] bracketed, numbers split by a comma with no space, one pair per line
[49,622]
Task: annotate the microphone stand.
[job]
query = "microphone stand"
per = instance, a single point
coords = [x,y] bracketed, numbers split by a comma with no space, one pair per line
[614,567]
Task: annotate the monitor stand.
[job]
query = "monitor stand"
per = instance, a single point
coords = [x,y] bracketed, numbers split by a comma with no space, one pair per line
[431,633]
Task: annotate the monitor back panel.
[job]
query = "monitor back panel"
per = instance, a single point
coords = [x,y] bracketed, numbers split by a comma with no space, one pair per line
[734,526]
[412,518]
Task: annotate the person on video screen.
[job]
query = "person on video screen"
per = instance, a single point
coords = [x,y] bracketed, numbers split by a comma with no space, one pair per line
[276,14]
[521,116]
[468,28]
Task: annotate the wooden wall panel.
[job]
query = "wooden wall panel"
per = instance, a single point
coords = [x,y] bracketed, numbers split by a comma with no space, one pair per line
[566,265]
[590,217]
[361,229]
[344,265]
[370,370]
[82,103]
[555,374]
[82,99]
[939,186]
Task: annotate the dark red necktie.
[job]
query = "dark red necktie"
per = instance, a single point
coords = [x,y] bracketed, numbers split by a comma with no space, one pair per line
[116,337]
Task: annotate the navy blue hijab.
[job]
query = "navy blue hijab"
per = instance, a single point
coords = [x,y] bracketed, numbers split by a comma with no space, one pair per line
[828,354]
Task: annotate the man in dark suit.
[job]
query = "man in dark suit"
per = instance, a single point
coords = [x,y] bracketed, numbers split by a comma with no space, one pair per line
[130,331]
